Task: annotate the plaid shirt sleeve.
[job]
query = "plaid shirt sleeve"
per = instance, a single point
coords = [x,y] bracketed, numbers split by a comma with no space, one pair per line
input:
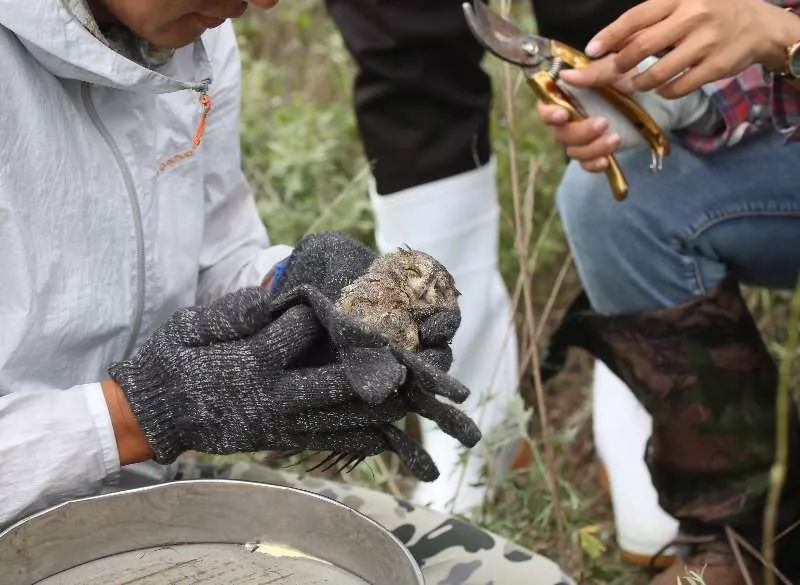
[748,103]
[786,108]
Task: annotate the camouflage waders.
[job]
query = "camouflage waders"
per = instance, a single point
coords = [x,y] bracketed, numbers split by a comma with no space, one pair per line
[449,551]
[704,374]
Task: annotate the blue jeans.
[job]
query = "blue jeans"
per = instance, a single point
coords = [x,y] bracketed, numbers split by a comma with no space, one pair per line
[681,231]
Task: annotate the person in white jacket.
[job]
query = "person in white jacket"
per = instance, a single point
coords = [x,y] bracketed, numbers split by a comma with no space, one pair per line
[132,324]
[110,220]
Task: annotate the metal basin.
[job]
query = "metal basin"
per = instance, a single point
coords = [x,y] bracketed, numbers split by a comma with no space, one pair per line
[213,532]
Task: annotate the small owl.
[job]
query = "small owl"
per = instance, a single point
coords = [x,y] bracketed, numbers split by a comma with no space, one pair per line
[397,293]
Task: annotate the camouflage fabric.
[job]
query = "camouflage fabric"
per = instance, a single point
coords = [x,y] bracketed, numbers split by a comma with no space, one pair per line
[704,374]
[448,550]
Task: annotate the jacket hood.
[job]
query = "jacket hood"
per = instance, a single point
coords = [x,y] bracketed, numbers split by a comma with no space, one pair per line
[61,43]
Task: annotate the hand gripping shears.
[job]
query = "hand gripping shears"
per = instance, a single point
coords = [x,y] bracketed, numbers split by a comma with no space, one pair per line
[530,51]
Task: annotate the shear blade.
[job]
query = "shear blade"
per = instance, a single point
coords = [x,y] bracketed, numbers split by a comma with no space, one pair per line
[502,38]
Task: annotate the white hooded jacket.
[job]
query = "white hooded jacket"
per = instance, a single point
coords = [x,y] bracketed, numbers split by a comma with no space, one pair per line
[109,221]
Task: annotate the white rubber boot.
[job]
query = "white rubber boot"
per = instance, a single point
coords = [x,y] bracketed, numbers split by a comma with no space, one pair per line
[621,430]
[457,221]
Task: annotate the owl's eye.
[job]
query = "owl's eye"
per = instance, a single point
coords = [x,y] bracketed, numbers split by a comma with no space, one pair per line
[411,271]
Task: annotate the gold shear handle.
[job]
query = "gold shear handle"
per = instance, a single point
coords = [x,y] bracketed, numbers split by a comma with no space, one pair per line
[641,120]
[548,91]
[627,106]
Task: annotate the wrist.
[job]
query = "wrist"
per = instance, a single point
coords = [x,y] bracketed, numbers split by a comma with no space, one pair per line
[150,396]
[266,283]
[783,31]
[132,444]
[273,277]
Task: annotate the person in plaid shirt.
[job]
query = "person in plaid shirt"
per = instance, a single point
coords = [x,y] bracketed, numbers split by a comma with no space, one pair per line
[746,97]
[661,270]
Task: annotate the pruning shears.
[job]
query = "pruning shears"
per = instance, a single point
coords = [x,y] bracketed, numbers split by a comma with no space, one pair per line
[530,52]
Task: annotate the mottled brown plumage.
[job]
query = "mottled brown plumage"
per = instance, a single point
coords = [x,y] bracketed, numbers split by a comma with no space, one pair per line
[398,292]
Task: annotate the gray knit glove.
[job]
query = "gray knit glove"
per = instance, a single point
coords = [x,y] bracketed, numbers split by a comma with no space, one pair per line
[239,376]
[327,261]
[320,266]
[369,363]
[330,261]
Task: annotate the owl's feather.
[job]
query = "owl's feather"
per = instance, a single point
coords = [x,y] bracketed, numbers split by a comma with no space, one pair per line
[398,292]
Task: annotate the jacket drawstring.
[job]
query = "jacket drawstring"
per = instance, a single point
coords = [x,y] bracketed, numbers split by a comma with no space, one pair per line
[205,102]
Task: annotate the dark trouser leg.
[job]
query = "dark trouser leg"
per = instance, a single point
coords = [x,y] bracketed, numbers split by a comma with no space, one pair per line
[422,100]
[704,374]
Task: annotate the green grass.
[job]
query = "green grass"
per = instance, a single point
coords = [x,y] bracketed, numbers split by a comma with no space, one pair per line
[300,145]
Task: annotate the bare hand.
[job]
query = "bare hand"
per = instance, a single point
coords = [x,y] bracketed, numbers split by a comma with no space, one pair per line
[586,141]
[707,40]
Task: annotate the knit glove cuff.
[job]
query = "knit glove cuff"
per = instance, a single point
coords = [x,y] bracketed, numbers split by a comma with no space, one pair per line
[188,382]
[151,394]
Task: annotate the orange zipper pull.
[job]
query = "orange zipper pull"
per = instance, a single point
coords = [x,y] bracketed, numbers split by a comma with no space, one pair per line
[205,102]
